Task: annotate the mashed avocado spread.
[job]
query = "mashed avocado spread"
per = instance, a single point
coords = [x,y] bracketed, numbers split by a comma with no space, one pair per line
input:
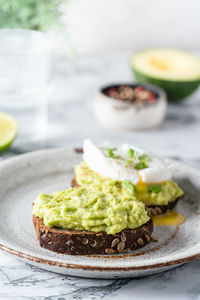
[91,209]
[159,194]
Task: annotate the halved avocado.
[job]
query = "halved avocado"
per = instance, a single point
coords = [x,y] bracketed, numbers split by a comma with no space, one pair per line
[177,71]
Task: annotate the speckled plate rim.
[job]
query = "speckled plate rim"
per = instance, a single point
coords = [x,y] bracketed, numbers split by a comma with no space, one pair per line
[192,253]
[97,268]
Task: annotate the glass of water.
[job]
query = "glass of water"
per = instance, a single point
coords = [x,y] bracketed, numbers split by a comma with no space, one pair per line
[24,80]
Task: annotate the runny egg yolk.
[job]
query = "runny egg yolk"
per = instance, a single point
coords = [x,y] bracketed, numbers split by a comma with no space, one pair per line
[170,219]
[141,186]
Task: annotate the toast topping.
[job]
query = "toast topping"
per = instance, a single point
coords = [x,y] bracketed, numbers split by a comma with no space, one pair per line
[163,194]
[92,210]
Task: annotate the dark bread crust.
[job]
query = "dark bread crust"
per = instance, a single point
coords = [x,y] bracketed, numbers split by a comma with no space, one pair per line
[75,242]
[155,210]
[152,210]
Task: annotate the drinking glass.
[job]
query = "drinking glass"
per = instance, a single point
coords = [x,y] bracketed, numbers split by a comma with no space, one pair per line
[24,80]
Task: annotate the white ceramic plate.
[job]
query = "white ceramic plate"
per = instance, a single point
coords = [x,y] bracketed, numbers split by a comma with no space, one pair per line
[24,177]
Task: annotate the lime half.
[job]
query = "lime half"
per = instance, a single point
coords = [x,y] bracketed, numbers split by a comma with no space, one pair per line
[8,130]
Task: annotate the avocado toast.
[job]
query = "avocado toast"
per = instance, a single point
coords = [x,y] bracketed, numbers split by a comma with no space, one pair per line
[107,210]
[147,177]
[81,221]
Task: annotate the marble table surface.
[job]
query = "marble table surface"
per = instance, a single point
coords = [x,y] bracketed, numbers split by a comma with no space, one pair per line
[71,120]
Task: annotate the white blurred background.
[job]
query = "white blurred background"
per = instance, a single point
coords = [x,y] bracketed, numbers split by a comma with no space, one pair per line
[96,26]
[99,36]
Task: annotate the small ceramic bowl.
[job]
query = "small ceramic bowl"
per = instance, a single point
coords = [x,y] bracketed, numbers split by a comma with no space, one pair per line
[131,115]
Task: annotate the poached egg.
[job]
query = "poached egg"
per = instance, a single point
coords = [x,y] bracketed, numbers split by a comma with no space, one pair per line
[115,163]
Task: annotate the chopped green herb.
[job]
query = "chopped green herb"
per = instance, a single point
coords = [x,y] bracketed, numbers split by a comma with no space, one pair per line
[128,162]
[116,182]
[129,185]
[111,153]
[130,153]
[143,162]
[155,188]
[144,158]
[140,166]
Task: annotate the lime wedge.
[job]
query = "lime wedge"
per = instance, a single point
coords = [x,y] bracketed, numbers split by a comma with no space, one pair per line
[8,130]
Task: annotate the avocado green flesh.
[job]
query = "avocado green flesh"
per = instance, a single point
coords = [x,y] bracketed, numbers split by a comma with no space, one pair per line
[176,71]
[169,192]
[90,209]
[167,64]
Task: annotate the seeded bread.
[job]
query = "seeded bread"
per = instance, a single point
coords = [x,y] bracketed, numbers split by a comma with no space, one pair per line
[152,210]
[76,242]
[155,210]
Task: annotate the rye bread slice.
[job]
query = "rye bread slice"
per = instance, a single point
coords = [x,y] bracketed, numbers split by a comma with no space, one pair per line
[76,242]
[155,210]
[152,209]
